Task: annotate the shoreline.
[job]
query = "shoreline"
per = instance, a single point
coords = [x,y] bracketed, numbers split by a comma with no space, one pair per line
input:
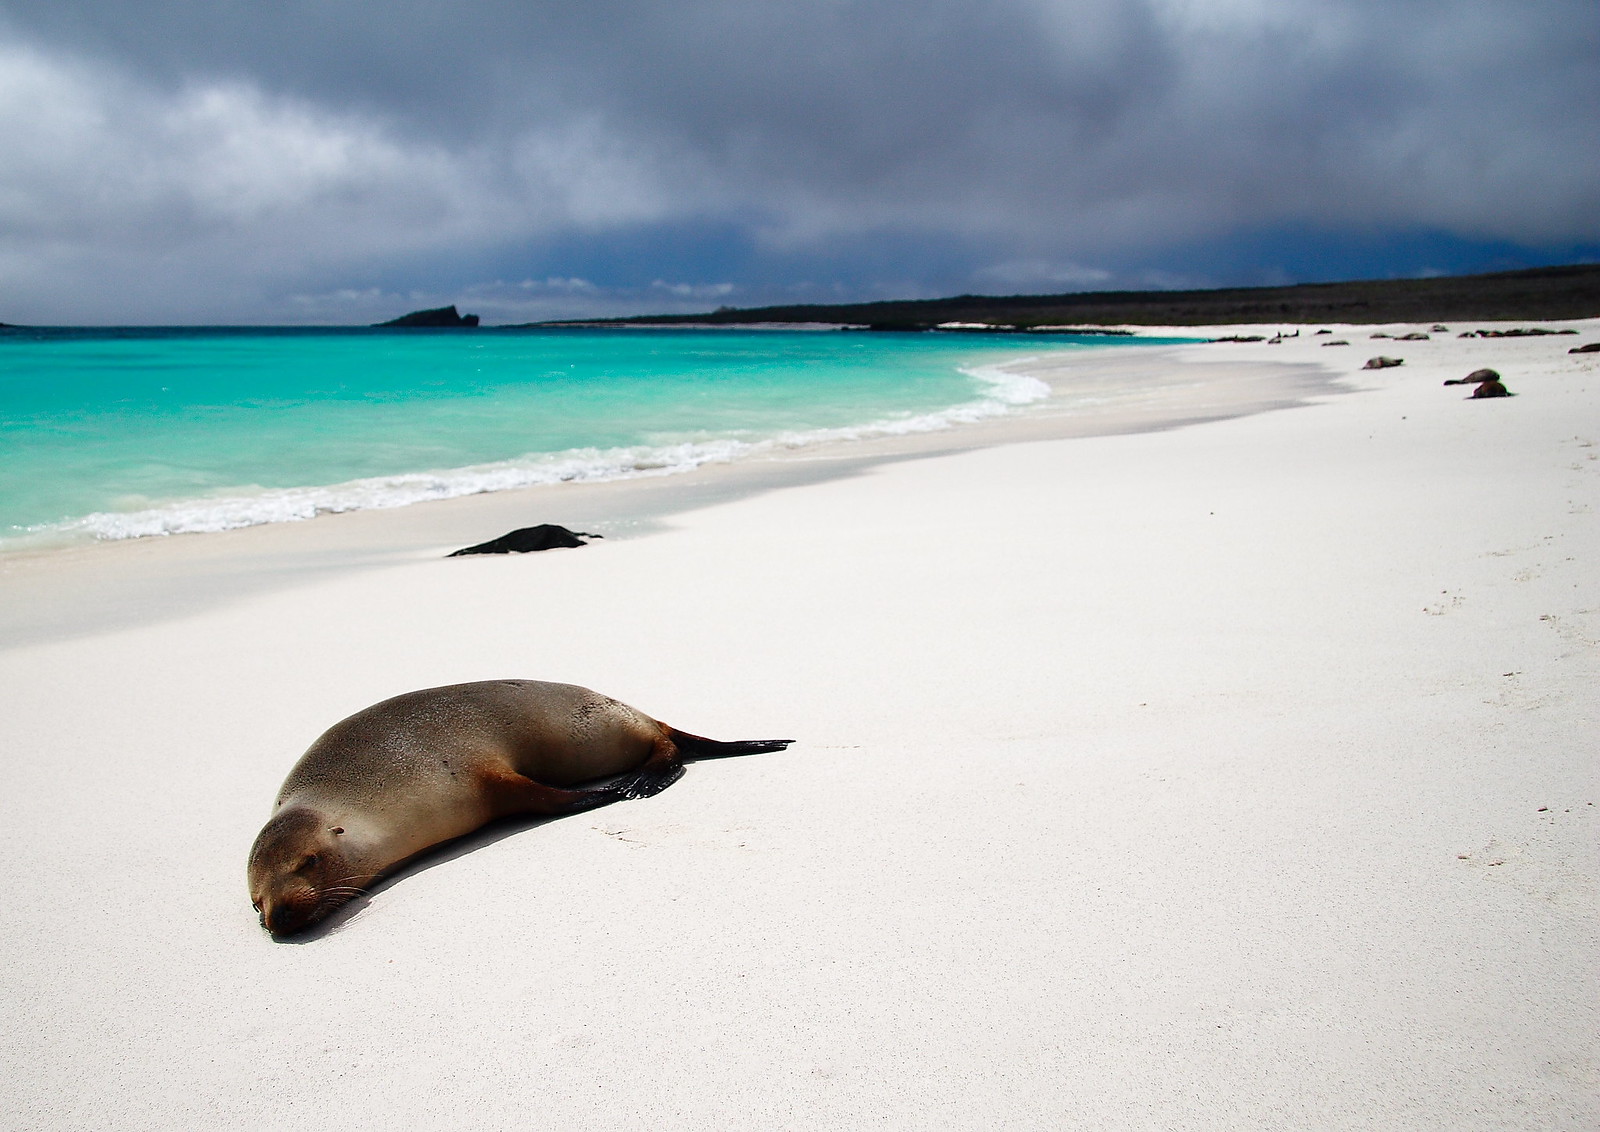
[70,590]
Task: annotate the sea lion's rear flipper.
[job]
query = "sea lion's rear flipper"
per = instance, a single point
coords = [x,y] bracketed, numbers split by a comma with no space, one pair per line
[660,770]
[648,780]
[699,747]
[665,764]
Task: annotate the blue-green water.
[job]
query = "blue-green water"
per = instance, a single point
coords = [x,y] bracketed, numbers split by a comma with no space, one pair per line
[123,433]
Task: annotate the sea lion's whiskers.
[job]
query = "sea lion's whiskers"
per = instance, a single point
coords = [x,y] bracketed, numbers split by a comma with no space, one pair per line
[328,901]
[342,890]
[345,889]
[345,881]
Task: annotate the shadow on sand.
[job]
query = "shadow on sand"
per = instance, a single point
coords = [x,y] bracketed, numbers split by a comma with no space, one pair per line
[422,862]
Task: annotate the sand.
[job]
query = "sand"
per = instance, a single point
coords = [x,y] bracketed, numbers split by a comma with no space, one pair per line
[1212,774]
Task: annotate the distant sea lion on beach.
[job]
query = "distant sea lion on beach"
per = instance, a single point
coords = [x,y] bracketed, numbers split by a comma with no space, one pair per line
[426,767]
[1487,381]
[546,536]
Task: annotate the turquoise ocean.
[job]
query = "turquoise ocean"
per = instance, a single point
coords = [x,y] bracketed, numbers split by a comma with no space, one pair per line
[125,433]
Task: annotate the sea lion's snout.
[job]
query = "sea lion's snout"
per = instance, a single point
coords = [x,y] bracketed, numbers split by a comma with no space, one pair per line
[290,904]
[286,917]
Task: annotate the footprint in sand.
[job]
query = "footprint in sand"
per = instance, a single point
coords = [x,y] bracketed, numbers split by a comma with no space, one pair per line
[1447,602]
[736,839]
[1537,867]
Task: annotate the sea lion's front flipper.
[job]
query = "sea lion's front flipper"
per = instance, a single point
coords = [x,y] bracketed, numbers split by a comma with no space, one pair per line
[513,793]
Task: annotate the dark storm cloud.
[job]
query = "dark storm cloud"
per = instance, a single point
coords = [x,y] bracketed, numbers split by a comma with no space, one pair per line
[281,158]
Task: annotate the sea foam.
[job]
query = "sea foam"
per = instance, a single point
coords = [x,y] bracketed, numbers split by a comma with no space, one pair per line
[1002,391]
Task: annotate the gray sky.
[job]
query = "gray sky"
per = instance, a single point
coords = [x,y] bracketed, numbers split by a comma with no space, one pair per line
[344,161]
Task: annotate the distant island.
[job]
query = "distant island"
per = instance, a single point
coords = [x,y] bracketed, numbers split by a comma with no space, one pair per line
[445,317]
[1541,293]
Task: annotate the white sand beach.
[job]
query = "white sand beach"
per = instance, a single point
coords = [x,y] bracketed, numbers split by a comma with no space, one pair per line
[1235,773]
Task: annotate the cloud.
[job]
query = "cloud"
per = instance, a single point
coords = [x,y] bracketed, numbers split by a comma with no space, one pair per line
[1041,273]
[694,290]
[167,160]
[134,200]
[569,286]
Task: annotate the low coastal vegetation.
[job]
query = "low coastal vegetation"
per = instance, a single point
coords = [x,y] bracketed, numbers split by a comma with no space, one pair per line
[1541,293]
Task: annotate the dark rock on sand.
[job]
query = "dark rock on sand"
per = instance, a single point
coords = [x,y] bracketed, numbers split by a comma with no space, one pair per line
[546,536]
[1381,362]
[439,317]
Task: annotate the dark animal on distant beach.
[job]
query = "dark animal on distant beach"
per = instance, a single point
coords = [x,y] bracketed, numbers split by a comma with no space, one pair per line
[1590,348]
[1515,332]
[427,767]
[1487,381]
[546,536]
[1383,363]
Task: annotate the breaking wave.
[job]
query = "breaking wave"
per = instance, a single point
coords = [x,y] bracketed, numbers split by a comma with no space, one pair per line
[1002,392]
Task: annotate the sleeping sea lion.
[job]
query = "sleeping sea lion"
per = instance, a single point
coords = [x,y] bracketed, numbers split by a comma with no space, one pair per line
[426,767]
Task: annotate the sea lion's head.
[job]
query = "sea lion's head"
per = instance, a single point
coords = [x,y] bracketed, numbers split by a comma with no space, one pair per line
[299,870]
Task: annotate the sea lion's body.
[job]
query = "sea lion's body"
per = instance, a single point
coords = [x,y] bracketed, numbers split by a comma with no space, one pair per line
[426,767]
[1488,383]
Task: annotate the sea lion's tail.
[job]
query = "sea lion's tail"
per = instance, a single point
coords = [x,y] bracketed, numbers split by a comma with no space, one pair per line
[699,747]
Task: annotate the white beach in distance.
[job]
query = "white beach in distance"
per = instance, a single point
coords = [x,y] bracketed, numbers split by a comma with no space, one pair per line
[1182,766]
